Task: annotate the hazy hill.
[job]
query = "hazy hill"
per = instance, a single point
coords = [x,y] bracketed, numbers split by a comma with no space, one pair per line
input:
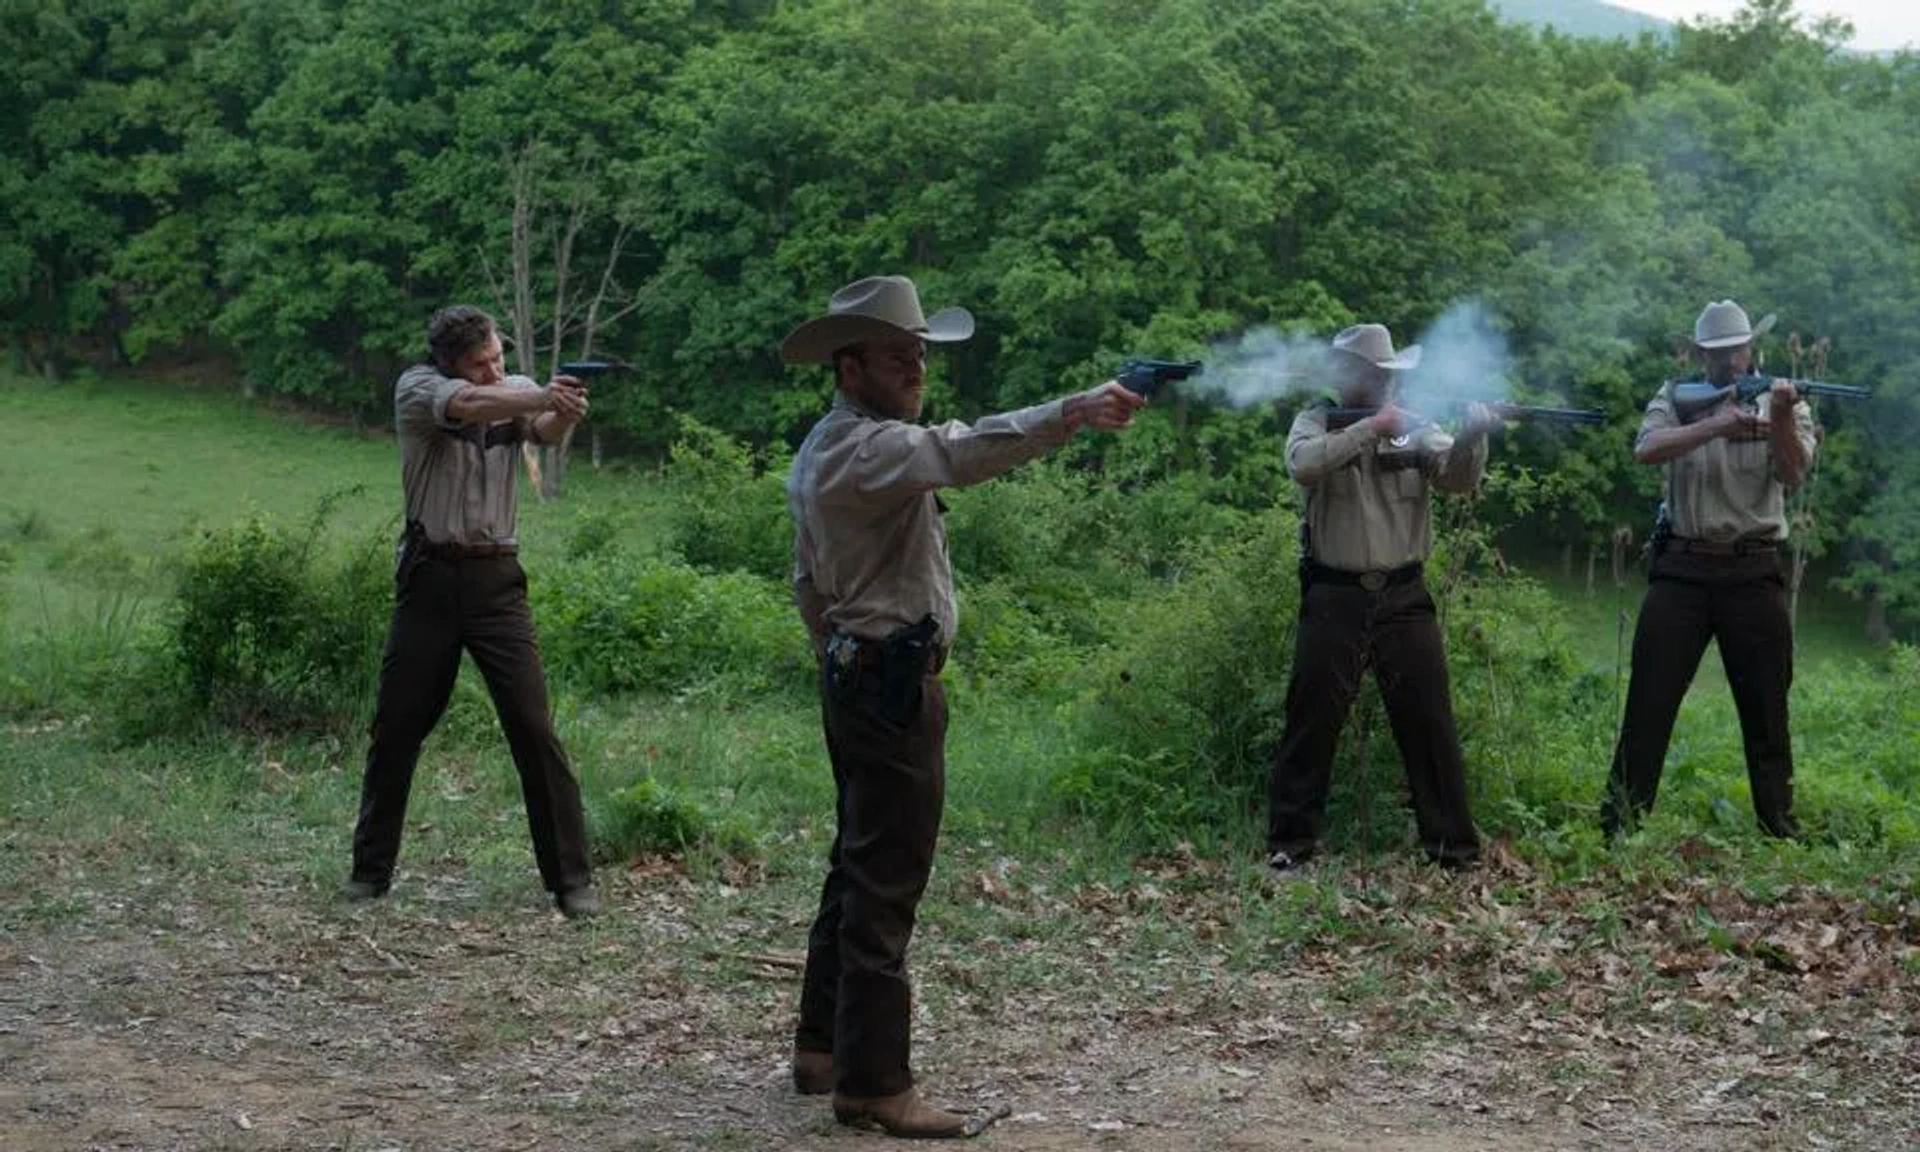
[1582,17]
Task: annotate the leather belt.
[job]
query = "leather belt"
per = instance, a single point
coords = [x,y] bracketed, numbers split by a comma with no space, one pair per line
[448,550]
[871,654]
[1751,546]
[1371,581]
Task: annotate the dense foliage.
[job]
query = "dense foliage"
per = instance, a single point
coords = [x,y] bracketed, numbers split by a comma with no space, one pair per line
[279,194]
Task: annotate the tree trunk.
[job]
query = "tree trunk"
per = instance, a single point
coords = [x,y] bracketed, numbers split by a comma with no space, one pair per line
[1878,633]
[1566,560]
[553,470]
[1593,565]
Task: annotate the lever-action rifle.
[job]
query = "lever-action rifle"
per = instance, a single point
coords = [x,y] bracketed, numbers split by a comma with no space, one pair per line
[1338,418]
[1145,377]
[1693,399]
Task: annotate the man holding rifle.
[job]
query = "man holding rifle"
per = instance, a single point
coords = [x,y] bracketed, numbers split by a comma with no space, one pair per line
[1719,569]
[1366,532]
[873,585]
[458,585]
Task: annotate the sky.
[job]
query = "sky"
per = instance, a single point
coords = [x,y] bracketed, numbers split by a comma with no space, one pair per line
[1877,24]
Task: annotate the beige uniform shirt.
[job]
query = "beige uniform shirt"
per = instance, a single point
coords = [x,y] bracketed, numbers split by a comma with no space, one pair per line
[869,547]
[460,479]
[1726,489]
[1363,513]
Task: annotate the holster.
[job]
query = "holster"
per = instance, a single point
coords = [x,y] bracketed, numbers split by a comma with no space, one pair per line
[1305,563]
[889,676]
[1661,535]
[411,550]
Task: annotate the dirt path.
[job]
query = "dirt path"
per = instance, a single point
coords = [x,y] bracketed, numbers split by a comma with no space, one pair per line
[156,1022]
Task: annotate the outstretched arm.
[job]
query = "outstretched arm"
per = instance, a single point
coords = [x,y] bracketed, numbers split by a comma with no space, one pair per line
[909,458]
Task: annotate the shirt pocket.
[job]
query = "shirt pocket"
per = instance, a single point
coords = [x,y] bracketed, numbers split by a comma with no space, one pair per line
[1343,483]
[1749,467]
[1407,484]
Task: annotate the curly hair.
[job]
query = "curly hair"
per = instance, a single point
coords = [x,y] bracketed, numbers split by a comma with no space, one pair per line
[455,331]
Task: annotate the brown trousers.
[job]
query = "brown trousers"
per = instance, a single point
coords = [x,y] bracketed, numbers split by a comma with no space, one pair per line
[1741,602]
[440,607]
[856,1001]
[1344,628]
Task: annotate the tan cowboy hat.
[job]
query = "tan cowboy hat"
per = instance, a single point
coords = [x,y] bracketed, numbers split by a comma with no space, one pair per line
[873,308]
[1723,324]
[1372,343]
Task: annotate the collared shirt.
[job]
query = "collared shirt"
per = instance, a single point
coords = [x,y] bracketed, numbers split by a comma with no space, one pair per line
[1369,507]
[1727,489]
[869,547]
[460,479]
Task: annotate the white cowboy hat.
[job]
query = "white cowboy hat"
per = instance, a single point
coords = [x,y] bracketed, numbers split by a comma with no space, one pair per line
[1372,343]
[873,308]
[1723,324]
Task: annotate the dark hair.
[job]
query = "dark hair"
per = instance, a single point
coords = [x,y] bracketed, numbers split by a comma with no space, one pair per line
[855,351]
[455,331]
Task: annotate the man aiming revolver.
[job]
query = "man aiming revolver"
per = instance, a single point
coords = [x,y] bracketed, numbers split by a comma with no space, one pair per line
[872,582]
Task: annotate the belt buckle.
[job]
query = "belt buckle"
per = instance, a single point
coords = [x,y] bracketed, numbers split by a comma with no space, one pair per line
[1373,581]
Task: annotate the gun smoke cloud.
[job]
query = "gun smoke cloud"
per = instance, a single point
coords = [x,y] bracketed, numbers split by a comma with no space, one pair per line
[1259,367]
[1464,358]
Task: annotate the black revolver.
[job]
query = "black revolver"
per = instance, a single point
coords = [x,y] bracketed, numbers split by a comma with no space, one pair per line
[585,370]
[1143,378]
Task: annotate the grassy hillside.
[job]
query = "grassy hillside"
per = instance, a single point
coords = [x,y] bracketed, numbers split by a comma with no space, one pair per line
[109,479]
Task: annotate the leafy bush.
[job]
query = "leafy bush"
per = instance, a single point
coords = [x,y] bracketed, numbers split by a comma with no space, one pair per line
[730,507]
[592,534]
[611,623]
[1180,723]
[1015,638]
[265,631]
[1177,737]
[650,818]
[1536,726]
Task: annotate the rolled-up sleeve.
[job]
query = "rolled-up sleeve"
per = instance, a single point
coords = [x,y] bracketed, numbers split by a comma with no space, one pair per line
[906,459]
[1313,452]
[1659,415]
[420,399]
[1451,467]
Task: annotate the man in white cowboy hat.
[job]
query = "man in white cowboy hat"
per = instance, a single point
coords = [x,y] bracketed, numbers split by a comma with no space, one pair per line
[872,582]
[1366,532]
[1718,573]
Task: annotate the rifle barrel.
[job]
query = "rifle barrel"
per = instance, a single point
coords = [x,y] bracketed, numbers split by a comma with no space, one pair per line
[1837,391]
[1554,415]
[1338,418]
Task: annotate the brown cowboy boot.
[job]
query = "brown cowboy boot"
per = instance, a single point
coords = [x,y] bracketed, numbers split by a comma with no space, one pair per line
[901,1114]
[812,1072]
